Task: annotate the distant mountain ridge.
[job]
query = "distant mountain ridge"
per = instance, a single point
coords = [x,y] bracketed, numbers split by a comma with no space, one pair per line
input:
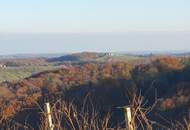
[24,56]
[83,55]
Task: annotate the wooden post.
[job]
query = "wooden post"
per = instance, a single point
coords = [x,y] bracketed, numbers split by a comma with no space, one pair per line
[49,118]
[128,118]
[129,124]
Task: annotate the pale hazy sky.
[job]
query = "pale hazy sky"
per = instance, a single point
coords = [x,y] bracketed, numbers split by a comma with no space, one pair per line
[94,15]
[30,19]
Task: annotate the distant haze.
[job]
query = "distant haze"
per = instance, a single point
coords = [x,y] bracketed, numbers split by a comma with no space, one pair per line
[16,43]
[64,26]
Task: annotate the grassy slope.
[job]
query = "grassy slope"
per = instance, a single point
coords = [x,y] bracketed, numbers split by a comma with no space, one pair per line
[17,73]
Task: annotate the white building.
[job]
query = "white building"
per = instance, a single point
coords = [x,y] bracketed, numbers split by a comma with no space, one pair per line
[2,66]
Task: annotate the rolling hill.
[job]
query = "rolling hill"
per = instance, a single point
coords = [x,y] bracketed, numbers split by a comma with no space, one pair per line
[164,81]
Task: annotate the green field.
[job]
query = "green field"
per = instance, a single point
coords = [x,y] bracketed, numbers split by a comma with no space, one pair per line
[17,73]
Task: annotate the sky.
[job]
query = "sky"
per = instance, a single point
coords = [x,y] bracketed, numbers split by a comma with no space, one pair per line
[48,26]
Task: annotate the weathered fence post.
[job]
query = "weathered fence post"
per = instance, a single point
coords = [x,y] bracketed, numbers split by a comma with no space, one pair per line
[128,118]
[49,118]
[129,124]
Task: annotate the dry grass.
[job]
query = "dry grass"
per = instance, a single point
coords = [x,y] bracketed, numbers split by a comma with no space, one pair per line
[66,116]
[181,126]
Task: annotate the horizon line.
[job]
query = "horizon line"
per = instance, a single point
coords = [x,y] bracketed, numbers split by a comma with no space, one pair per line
[124,52]
[151,31]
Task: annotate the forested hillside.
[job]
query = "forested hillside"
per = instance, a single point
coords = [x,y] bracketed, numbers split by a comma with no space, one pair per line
[164,82]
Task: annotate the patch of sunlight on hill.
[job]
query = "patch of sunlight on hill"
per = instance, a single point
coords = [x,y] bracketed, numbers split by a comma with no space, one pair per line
[17,73]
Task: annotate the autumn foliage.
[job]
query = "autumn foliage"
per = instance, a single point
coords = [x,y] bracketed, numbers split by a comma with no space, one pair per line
[165,80]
